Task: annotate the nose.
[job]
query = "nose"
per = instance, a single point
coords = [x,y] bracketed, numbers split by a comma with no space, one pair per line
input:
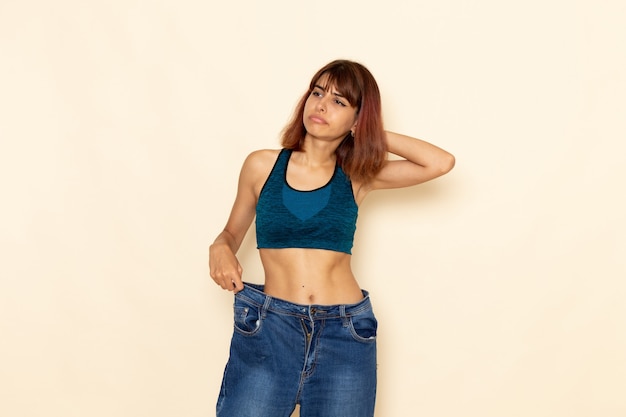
[321,105]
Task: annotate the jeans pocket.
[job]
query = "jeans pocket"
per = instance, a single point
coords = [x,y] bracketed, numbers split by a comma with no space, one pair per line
[364,326]
[247,317]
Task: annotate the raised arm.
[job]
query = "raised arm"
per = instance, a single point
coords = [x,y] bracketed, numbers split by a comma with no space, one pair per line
[421,161]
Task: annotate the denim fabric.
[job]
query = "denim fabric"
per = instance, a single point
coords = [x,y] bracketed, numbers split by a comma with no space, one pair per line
[281,354]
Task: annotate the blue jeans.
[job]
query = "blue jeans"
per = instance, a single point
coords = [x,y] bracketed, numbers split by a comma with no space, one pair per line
[282,354]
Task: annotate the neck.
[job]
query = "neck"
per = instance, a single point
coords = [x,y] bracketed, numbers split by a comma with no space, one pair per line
[319,153]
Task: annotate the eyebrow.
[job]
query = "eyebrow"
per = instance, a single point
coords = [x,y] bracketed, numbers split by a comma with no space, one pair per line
[324,89]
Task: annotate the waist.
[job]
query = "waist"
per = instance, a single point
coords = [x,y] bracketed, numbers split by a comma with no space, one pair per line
[255,294]
[310,276]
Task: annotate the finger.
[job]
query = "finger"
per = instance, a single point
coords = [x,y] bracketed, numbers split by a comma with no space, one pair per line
[224,279]
[237,280]
[238,285]
[225,282]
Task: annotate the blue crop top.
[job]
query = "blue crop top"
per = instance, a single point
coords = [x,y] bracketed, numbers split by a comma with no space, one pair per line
[324,218]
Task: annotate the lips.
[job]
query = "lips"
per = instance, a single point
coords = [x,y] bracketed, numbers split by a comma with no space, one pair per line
[317,119]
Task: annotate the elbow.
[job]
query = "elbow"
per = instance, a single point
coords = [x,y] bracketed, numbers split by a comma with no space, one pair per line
[446,164]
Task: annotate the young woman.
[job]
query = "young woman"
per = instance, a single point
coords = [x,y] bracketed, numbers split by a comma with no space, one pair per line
[308,335]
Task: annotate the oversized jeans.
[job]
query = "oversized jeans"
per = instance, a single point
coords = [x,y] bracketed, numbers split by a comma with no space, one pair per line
[282,354]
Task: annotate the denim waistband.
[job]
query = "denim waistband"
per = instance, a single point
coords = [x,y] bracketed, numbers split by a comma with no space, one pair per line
[254,294]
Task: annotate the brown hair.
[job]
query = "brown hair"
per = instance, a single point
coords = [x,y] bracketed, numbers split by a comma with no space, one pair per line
[362,156]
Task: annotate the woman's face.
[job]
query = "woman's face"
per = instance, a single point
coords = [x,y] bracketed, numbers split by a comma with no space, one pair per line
[327,114]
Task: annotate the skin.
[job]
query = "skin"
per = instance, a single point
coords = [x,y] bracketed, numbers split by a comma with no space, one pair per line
[315,276]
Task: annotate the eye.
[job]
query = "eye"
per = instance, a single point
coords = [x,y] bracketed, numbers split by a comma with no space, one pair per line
[341,103]
[316,93]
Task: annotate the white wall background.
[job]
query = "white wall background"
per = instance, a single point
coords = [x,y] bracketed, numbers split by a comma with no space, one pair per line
[123,124]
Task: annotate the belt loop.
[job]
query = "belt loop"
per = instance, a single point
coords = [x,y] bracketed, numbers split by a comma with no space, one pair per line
[342,313]
[266,305]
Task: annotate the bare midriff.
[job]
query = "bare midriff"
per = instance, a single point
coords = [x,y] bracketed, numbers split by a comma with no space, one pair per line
[310,276]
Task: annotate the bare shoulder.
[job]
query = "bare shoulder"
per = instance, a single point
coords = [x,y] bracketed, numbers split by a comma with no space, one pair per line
[260,162]
[257,167]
